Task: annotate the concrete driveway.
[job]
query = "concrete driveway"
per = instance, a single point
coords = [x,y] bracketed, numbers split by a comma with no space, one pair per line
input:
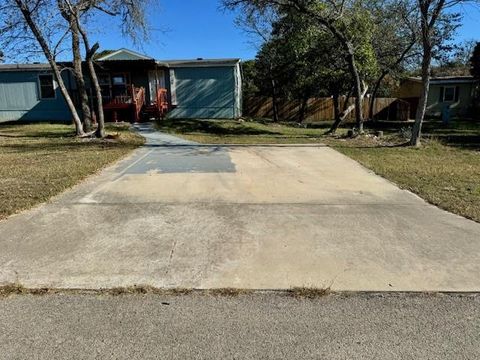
[177,214]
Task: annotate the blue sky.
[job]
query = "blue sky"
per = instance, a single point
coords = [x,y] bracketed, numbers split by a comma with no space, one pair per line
[471,23]
[187,29]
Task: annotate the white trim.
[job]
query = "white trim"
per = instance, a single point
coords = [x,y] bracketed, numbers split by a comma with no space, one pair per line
[238,91]
[156,79]
[54,83]
[141,56]
[447,80]
[199,63]
[173,88]
[454,93]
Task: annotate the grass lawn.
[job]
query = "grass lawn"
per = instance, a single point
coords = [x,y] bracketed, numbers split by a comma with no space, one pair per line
[39,161]
[445,171]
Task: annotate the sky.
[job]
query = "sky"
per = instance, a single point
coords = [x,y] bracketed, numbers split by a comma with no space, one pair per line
[470,29]
[190,29]
[186,29]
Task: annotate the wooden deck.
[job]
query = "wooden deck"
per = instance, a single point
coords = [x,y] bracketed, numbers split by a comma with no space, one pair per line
[133,107]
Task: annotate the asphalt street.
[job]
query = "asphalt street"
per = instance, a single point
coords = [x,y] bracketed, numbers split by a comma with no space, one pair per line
[255,326]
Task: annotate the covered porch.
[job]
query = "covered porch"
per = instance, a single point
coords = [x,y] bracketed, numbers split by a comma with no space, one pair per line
[132,90]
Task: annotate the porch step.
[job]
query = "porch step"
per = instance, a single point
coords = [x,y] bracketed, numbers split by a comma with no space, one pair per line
[150,109]
[149,112]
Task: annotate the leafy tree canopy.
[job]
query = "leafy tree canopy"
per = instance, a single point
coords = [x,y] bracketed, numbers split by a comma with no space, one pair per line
[475,62]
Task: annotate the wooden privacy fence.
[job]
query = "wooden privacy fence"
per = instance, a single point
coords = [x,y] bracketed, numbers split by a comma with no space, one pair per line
[320,109]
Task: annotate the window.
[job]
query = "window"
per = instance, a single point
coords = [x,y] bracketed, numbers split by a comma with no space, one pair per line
[449,93]
[119,80]
[47,86]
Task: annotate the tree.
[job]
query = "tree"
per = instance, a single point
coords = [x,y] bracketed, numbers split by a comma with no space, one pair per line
[31,23]
[475,62]
[71,13]
[475,71]
[349,21]
[395,41]
[309,62]
[437,21]
[257,24]
[266,66]
[463,52]
[134,25]
[454,60]
[249,76]
[29,26]
[297,70]
[89,55]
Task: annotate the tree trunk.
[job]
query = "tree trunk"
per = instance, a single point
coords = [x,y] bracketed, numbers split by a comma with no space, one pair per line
[78,72]
[357,88]
[90,52]
[302,7]
[337,113]
[51,60]
[422,102]
[274,101]
[100,132]
[415,140]
[385,72]
[343,115]
[336,106]
[374,94]
[303,109]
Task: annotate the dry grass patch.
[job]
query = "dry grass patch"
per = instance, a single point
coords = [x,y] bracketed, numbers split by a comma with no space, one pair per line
[242,132]
[229,292]
[309,292]
[39,161]
[144,289]
[18,289]
[444,175]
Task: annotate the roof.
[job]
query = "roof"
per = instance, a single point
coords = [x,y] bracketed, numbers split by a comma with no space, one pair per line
[124,54]
[24,67]
[438,80]
[199,62]
[127,56]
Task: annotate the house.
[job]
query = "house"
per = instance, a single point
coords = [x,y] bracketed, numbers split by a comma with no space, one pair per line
[456,92]
[134,87]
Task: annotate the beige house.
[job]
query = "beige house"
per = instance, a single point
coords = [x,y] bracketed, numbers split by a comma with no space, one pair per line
[456,92]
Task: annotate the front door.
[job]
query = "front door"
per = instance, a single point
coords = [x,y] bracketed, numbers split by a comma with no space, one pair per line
[156,80]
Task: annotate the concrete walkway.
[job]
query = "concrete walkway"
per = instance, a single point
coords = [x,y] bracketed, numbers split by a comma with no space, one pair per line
[177,214]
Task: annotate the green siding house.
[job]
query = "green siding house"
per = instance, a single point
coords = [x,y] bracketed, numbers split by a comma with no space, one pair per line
[458,93]
[25,94]
[199,88]
[205,92]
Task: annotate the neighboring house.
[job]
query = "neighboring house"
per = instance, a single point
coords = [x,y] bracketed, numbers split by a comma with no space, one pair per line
[134,86]
[456,92]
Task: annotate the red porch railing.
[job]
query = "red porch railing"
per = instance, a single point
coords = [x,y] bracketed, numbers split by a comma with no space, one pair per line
[138,101]
[162,102]
[131,102]
[134,105]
